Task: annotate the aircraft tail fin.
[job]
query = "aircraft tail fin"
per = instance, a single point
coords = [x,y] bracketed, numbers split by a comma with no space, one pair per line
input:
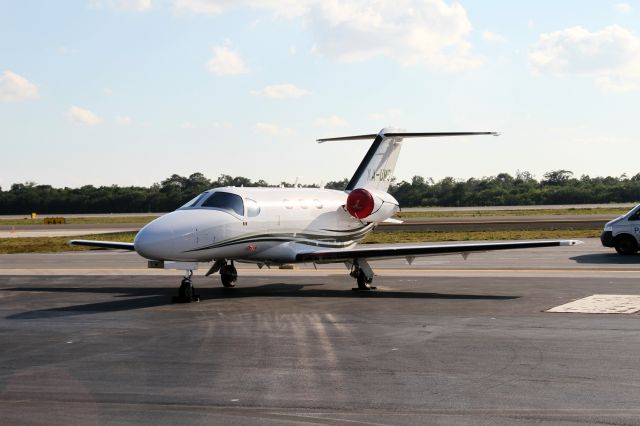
[377,167]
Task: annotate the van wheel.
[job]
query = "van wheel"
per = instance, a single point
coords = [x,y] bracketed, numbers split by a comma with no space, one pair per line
[626,245]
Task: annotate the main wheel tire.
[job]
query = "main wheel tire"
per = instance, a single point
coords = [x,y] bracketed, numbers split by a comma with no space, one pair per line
[626,245]
[362,282]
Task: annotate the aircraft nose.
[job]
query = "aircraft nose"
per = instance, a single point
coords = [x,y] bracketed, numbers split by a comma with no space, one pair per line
[167,236]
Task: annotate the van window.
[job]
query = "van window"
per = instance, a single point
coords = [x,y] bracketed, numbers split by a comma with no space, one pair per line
[225,201]
[253,209]
[635,215]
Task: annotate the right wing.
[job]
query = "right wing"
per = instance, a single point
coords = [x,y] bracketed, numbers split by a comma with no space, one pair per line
[394,251]
[103,244]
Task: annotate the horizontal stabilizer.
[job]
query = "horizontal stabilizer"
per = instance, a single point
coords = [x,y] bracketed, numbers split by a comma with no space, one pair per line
[348,138]
[407,135]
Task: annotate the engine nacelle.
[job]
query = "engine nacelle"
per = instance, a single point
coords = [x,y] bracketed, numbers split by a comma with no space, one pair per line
[370,205]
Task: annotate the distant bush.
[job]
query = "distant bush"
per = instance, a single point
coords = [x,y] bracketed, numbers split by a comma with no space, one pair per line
[556,187]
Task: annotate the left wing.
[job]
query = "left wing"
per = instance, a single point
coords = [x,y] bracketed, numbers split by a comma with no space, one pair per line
[103,244]
[410,251]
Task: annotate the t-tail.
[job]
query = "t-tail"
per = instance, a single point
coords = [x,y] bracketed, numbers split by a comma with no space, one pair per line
[376,169]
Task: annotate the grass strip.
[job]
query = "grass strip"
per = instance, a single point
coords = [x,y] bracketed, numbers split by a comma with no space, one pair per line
[99,220]
[614,211]
[57,244]
[383,237]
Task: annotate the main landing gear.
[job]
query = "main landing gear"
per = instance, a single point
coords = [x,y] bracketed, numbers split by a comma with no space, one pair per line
[228,272]
[186,293]
[362,272]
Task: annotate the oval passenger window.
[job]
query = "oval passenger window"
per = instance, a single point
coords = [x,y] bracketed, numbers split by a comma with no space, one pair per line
[253,209]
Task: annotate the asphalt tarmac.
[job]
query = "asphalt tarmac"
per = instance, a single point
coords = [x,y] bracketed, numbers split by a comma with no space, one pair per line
[96,340]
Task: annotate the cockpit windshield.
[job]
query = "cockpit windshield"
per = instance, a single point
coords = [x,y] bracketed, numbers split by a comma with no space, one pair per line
[225,201]
[194,201]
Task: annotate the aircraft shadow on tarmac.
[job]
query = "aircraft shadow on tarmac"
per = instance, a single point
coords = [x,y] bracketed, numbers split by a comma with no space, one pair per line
[129,298]
[606,258]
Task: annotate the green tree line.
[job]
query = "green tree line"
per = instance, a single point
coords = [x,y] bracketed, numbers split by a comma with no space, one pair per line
[556,187]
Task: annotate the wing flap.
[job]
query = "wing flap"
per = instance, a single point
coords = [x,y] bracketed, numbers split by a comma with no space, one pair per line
[103,244]
[411,251]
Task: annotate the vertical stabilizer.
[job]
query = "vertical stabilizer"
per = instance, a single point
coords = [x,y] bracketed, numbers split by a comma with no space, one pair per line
[377,167]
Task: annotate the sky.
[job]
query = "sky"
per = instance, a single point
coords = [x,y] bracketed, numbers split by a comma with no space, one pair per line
[129,92]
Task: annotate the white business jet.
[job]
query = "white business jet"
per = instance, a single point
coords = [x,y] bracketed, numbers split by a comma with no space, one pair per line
[275,226]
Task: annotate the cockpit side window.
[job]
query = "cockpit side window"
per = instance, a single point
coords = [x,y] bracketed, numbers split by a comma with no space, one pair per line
[225,201]
[253,209]
[193,202]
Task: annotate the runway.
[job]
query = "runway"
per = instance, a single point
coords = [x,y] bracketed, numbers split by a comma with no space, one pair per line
[96,341]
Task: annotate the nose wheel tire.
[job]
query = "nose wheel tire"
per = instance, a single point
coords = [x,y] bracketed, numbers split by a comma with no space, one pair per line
[186,292]
[228,275]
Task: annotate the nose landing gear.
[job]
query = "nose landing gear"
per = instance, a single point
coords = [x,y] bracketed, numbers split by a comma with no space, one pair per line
[186,292]
[228,272]
[228,275]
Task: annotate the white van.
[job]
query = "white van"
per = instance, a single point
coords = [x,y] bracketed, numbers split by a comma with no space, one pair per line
[623,233]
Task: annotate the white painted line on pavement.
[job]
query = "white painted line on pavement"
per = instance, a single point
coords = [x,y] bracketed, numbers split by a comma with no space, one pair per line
[602,304]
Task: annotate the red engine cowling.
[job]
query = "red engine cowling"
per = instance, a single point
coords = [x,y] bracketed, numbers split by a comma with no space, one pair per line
[360,203]
[371,205]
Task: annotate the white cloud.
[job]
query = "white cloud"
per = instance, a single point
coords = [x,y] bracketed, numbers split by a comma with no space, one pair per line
[610,56]
[66,50]
[279,8]
[281,91]
[226,62]
[14,88]
[493,37]
[426,32]
[82,116]
[225,125]
[387,114]
[205,7]
[332,121]
[123,120]
[623,7]
[126,5]
[270,129]
[187,125]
